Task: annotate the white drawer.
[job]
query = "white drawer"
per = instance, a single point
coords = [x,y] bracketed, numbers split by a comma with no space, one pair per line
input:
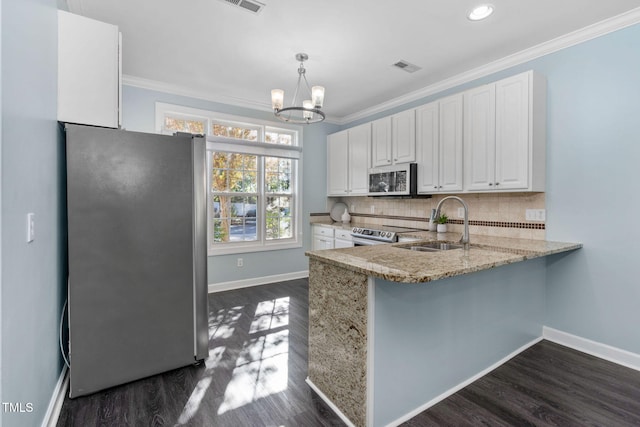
[323,231]
[343,234]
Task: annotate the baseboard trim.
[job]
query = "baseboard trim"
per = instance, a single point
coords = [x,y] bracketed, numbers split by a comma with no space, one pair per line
[603,351]
[462,385]
[329,403]
[256,281]
[57,399]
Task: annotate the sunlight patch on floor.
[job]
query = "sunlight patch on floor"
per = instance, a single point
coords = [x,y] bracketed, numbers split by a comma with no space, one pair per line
[198,393]
[262,365]
[270,315]
[223,324]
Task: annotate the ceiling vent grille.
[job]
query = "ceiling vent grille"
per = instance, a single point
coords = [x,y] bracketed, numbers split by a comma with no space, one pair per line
[249,5]
[407,66]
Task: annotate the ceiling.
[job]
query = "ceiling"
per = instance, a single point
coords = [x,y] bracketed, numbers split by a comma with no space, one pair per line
[224,53]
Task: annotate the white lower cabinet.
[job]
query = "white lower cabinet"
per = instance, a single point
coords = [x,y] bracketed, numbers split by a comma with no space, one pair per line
[322,237]
[342,239]
[505,135]
[439,145]
[327,237]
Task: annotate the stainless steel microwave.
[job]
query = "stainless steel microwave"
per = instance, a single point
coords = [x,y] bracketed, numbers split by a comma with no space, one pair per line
[396,180]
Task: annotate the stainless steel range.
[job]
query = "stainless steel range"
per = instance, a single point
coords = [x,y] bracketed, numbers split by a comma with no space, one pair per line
[363,236]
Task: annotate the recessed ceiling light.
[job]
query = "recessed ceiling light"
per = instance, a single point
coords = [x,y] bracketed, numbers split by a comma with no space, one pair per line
[480,12]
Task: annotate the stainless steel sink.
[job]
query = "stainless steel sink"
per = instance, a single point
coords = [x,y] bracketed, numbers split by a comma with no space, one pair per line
[433,246]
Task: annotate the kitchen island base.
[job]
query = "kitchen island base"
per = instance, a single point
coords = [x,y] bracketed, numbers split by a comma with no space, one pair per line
[381,351]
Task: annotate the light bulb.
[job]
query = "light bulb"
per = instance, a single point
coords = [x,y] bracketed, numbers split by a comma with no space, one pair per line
[317,96]
[309,105]
[277,99]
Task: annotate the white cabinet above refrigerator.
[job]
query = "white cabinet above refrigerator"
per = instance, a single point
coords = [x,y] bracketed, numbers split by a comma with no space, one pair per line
[89,71]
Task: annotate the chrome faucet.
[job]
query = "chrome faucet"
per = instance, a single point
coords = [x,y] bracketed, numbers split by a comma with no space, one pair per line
[465,236]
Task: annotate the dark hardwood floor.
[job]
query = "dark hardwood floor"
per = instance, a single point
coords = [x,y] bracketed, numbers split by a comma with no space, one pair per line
[254,376]
[546,385]
[257,365]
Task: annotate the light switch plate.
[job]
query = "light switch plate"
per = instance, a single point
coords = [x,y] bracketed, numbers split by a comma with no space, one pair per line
[31,225]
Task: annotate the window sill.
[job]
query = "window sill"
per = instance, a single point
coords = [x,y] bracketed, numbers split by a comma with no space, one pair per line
[243,249]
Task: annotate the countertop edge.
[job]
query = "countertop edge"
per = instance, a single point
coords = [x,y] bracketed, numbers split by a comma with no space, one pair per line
[495,255]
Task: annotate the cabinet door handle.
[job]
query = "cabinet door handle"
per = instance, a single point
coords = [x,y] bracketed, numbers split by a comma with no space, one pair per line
[497,183]
[490,184]
[435,186]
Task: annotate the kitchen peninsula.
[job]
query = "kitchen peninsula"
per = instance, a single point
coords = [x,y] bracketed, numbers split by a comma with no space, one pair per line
[393,330]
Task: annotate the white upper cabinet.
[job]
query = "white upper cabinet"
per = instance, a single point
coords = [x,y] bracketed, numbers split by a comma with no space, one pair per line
[450,156]
[490,138]
[505,135]
[428,147]
[89,86]
[439,145]
[479,138]
[348,160]
[338,164]
[381,142]
[403,137]
[394,139]
[359,158]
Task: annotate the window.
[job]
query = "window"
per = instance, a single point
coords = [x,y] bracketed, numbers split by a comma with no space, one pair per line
[253,169]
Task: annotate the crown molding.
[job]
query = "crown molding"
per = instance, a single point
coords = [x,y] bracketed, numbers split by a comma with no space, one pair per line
[155,85]
[149,84]
[590,32]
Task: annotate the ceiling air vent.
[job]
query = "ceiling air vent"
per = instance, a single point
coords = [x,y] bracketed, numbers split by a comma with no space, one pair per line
[250,5]
[407,66]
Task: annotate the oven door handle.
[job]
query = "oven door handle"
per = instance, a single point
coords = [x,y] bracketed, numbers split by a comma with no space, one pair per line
[359,241]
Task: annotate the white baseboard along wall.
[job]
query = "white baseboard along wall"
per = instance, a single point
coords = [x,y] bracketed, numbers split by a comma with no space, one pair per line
[255,281]
[603,351]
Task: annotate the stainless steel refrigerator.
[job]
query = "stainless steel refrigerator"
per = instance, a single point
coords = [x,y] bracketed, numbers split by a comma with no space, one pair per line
[136,206]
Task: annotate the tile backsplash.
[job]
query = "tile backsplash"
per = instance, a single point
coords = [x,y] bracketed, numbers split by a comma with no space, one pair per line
[490,214]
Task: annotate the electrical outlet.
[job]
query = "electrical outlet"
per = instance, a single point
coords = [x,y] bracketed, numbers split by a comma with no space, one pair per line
[536,214]
[373,209]
[240,262]
[460,212]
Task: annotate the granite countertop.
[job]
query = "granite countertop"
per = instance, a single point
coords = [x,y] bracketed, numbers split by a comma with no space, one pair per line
[392,262]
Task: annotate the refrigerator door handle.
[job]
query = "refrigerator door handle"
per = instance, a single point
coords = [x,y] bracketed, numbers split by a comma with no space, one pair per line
[200,286]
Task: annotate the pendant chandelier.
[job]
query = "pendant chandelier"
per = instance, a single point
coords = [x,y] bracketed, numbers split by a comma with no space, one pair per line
[302,111]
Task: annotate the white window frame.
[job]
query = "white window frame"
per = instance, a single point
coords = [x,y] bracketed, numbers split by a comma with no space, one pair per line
[259,148]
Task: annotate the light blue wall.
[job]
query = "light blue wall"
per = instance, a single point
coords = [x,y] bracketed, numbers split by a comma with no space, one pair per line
[593,158]
[139,115]
[593,172]
[430,337]
[32,274]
